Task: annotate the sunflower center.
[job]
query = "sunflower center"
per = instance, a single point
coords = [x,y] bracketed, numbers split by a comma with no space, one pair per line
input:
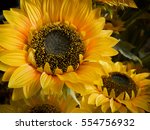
[59,45]
[120,83]
[44,108]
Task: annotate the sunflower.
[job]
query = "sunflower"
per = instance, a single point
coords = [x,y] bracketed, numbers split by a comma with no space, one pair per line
[122,90]
[137,66]
[122,3]
[41,104]
[115,25]
[49,43]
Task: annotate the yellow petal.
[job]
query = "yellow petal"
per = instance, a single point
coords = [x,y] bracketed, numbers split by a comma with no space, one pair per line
[32,87]
[78,88]
[141,76]
[51,84]
[82,88]
[127,97]
[82,12]
[31,57]
[122,109]
[112,93]
[105,92]
[81,58]
[67,12]
[94,14]
[22,5]
[34,13]
[101,99]
[121,96]
[109,52]
[92,57]
[17,19]
[86,75]
[46,80]
[105,33]
[40,69]
[103,42]
[83,34]
[70,76]
[100,47]
[114,105]
[133,94]
[93,28]
[3,67]
[143,82]
[58,71]
[46,4]
[92,98]
[141,103]
[11,43]
[54,10]
[17,94]
[57,85]
[47,68]
[140,110]
[13,58]
[131,107]
[118,66]
[105,107]
[70,68]
[38,3]
[99,84]
[11,39]
[22,76]
[107,66]
[8,74]
[9,29]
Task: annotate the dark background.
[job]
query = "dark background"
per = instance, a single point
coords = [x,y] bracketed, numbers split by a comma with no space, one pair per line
[6,4]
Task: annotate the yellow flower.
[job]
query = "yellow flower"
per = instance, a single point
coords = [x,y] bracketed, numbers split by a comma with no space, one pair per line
[137,66]
[122,3]
[51,42]
[115,25]
[122,91]
[41,104]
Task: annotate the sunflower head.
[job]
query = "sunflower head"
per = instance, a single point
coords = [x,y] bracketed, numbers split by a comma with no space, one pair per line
[44,108]
[122,90]
[119,83]
[41,104]
[46,44]
[58,46]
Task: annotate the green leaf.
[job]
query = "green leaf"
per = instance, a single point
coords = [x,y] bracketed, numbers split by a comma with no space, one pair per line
[67,91]
[146,60]
[126,53]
